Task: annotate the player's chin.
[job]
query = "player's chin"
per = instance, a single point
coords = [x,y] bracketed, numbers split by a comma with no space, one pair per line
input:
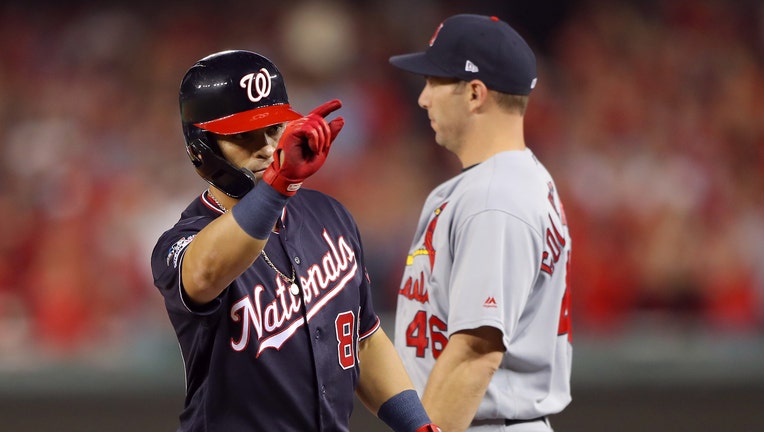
[439,139]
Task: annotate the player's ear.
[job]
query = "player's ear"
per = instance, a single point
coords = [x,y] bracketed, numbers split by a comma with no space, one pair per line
[477,92]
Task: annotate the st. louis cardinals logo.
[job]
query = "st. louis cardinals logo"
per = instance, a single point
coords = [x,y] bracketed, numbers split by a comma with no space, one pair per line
[258,85]
[414,289]
[278,320]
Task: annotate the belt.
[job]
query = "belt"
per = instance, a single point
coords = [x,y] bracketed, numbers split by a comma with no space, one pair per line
[508,422]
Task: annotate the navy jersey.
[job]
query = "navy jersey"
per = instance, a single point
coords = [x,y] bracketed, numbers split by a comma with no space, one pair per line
[259,358]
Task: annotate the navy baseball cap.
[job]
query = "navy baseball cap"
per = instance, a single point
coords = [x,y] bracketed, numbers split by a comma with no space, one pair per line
[470,47]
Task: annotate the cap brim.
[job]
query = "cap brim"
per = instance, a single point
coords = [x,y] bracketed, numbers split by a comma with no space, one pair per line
[246,121]
[420,64]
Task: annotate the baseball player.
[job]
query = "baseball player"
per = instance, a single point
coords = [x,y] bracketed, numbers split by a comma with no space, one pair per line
[482,321]
[264,282]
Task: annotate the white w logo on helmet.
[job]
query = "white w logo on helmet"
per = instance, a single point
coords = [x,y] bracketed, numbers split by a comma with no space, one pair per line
[258,86]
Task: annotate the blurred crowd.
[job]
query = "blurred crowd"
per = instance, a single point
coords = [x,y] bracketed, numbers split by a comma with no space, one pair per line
[650,115]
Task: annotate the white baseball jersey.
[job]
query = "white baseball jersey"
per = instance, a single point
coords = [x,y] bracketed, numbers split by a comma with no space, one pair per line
[492,249]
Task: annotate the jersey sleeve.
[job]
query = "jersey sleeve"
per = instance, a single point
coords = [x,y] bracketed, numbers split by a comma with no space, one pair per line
[491,280]
[368,320]
[166,261]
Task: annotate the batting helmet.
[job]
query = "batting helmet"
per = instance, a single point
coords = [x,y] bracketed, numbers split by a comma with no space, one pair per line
[226,93]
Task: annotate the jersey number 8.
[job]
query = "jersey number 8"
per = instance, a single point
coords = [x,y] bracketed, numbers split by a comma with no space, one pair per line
[344,325]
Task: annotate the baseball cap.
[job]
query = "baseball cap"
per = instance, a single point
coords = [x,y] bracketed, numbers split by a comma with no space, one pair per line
[468,47]
[233,92]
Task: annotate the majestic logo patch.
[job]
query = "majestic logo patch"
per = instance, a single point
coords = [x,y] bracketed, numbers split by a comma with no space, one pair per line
[490,302]
[258,85]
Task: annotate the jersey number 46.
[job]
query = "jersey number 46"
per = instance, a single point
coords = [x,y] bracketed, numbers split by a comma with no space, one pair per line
[420,327]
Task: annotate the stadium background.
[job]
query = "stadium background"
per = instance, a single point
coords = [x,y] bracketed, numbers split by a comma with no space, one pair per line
[650,114]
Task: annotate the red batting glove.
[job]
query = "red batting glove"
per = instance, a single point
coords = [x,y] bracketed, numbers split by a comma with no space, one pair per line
[302,149]
[428,428]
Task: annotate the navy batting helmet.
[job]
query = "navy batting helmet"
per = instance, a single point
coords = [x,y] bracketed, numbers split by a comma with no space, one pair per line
[226,93]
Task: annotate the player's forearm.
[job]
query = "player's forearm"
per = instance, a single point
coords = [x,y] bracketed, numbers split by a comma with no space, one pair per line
[382,373]
[457,385]
[452,399]
[230,243]
[217,255]
[385,387]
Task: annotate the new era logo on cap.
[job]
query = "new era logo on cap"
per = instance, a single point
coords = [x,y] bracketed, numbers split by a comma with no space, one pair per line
[470,67]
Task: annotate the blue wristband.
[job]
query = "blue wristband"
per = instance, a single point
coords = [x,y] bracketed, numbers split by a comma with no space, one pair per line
[403,412]
[259,210]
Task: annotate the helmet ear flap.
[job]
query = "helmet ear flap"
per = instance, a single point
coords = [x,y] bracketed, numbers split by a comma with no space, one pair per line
[191,133]
[234,182]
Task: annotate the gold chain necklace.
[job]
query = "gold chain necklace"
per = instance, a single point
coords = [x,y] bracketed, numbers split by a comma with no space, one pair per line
[292,285]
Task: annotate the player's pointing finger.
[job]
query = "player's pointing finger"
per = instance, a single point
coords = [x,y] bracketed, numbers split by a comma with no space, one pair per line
[327,108]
